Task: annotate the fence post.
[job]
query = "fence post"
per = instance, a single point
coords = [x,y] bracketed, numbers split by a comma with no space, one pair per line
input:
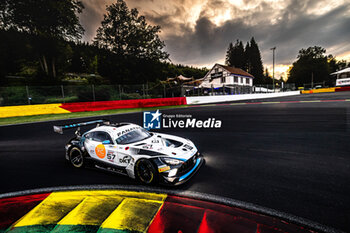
[93,92]
[62,90]
[28,98]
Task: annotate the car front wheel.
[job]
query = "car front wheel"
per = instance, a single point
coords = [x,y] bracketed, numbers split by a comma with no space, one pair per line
[76,157]
[146,172]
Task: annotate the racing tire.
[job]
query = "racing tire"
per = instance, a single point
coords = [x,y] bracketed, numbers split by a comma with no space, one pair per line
[146,172]
[76,157]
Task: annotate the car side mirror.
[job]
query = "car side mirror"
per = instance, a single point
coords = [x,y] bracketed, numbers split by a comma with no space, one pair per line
[106,142]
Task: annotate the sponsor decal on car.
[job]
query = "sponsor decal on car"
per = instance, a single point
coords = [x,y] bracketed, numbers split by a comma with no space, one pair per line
[100,151]
[110,156]
[163,169]
[148,146]
[188,147]
[127,130]
[125,159]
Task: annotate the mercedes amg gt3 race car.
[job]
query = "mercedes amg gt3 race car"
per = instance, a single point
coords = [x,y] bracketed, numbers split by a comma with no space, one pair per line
[131,150]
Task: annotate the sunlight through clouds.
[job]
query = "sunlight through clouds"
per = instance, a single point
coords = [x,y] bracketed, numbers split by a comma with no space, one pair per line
[197,32]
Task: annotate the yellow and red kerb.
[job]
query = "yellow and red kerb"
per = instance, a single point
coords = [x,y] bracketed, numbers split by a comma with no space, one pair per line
[111,211]
[41,109]
[29,110]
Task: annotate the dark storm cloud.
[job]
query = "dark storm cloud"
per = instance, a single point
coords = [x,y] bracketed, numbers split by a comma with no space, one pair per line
[92,16]
[295,30]
[288,25]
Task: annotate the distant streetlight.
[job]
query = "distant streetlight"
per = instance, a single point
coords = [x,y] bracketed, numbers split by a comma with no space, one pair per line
[273,68]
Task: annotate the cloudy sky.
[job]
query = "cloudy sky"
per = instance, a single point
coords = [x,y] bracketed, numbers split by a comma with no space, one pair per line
[197,32]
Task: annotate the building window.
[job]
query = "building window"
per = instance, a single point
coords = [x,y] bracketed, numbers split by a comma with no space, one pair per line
[241,80]
[247,81]
[236,79]
[223,79]
[216,70]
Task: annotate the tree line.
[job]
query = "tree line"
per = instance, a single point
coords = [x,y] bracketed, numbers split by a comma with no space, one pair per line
[40,40]
[312,64]
[247,58]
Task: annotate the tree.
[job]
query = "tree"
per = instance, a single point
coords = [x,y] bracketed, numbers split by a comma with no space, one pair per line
[127,34]
[311,66]
[4,9]
[49,22]
[267,77]
[48,18]
[247,57]
[228,59]
[257,69]
[235,54]
[334,64]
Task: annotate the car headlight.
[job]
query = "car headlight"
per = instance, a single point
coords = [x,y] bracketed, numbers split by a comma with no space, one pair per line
[171,161]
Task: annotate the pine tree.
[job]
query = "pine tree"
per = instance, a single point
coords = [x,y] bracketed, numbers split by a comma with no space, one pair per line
[235,54]
[228,60]
[240,54]
[247,58]
[257,69]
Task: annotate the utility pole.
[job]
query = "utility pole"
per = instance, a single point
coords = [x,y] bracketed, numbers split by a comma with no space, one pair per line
[312,80]
[273,67]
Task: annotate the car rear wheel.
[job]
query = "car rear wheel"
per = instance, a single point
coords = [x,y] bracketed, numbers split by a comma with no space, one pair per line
[146,172]
[76,157]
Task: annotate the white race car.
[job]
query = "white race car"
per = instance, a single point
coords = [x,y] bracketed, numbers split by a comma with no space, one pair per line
[131,150]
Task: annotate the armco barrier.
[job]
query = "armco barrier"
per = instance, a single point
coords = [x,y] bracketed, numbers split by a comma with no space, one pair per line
[118,104]
[227,98]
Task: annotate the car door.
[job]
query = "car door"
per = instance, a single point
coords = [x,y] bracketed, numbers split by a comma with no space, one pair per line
[123,156]
[98,150]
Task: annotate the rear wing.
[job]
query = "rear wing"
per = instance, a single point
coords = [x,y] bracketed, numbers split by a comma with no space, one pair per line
[59,129]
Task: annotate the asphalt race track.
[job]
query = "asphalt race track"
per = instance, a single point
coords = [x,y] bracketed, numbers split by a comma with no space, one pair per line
[292,157]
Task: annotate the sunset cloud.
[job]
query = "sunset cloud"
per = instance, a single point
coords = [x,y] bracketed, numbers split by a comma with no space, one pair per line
[197,32]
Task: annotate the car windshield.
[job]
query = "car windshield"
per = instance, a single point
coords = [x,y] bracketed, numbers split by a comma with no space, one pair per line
[133,136]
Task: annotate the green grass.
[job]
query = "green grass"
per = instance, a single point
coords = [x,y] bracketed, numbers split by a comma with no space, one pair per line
[48,117]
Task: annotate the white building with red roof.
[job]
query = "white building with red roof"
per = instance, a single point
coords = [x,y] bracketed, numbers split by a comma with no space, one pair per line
[226,76]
